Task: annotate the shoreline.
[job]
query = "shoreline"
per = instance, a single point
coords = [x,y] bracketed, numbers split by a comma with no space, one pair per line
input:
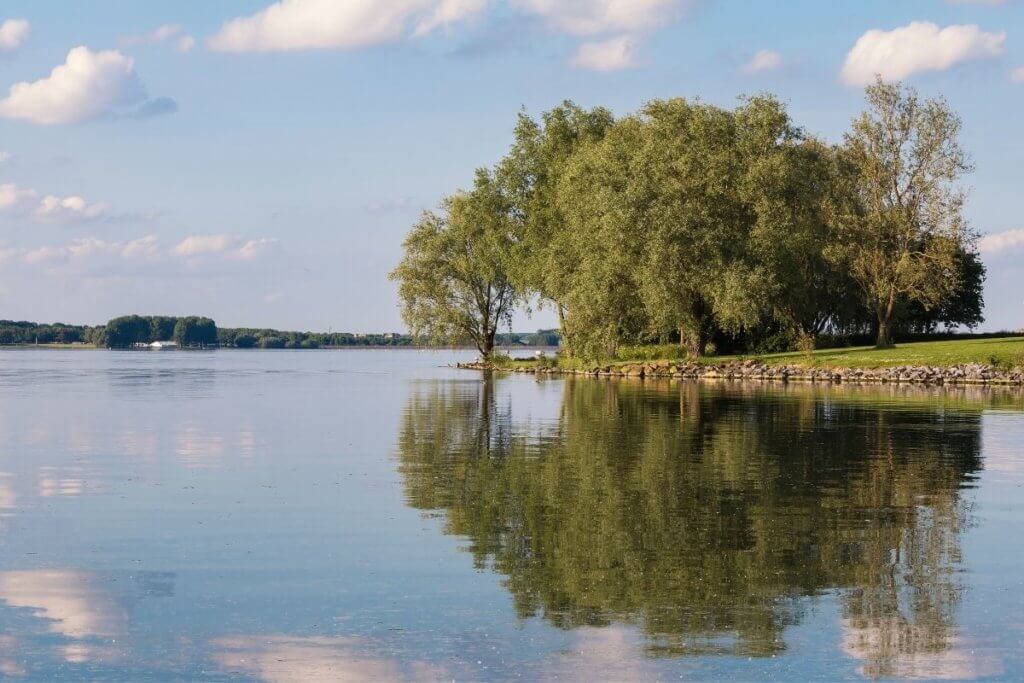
[756,371]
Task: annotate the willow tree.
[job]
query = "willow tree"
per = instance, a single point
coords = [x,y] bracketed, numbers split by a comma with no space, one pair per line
[901,242]
[453,278]
[529,175]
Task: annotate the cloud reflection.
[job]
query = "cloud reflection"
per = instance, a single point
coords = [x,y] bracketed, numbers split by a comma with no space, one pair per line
[296,659]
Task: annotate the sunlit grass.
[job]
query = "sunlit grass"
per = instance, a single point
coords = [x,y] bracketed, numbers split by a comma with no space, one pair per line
[1002,352]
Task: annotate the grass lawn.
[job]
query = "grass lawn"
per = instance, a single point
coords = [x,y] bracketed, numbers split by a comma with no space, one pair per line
[1006,352]
[1003,352]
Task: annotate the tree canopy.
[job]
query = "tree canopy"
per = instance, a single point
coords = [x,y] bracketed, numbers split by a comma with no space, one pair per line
[706,226]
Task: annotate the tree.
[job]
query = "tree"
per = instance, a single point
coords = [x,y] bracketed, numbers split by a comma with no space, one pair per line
[529,175]
[962,306]
[195,331]
[161,327]
[903,230]
[453,280]
[126,331]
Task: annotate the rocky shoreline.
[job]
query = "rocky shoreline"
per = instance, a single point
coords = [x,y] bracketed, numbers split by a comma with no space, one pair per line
[751,370]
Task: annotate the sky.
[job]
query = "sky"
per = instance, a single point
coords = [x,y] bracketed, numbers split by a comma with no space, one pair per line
[260,163]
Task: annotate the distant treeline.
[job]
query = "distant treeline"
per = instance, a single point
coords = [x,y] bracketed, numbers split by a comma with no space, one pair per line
[24,332]
[201,332]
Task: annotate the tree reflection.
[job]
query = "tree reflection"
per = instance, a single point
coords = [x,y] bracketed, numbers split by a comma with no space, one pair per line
[705,514]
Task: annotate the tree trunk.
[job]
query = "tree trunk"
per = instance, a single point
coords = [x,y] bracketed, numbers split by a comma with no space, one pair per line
[487,347]
[885,312]
[695,342]
[884,340]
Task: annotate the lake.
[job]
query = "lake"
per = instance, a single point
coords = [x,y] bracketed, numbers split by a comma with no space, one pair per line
[337,515]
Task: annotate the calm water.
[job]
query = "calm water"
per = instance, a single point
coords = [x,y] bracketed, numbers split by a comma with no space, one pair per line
[295,516]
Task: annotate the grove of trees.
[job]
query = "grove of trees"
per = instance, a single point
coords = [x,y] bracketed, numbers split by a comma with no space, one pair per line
[690,223]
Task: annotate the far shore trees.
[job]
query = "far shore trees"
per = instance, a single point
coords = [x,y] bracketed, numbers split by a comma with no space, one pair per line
[902,240]
[454,280]
[195,331]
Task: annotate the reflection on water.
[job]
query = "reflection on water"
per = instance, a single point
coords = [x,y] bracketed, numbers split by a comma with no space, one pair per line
[292,659]
[88,610]
[706,515]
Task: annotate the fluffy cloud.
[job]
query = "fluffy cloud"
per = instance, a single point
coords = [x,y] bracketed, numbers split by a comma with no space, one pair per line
[915,48]
[90,248]
[93,251]
[52,207]
[596,17]
[1001,241]
[197,245]
[606,55]
[1017,75]
[12,196]
[764,60]
[328,24]
[449,12]
[13,34]
[622,23]
[168,33]
[86,86]
[229,246]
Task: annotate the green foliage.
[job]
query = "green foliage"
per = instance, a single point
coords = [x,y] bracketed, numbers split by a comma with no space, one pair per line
[126,331]
[22,332]
[904,227]
[272,343]
[195,331]
[454,280]
[694,224]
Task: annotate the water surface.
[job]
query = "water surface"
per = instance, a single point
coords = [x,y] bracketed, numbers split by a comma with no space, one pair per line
[287,516]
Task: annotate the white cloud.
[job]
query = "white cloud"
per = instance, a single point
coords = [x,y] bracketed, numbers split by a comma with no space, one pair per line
[449,12]
[13,34]
[290,25]
[161,34]
[5,156]
[86,86]
[1001,241]
[198,245]
[227,246]
[11,196]
[1017,75]
[93,251]
[90,249]
[915,48]
[606,55]
[621,25]
[764,60]
[596,17]
[253,248]
[52,207]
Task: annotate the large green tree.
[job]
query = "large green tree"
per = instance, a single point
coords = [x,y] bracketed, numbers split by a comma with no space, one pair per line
[901,241]
[454,280]
[529,175]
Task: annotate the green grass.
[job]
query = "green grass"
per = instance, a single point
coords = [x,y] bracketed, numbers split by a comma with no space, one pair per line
[1002,352]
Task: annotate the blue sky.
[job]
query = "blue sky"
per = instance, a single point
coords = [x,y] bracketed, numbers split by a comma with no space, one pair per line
[260,163]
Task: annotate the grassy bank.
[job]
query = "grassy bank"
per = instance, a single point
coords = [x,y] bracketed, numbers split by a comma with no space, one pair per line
[1001,352]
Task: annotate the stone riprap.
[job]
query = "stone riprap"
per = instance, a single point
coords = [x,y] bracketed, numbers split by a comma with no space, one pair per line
[973,373]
